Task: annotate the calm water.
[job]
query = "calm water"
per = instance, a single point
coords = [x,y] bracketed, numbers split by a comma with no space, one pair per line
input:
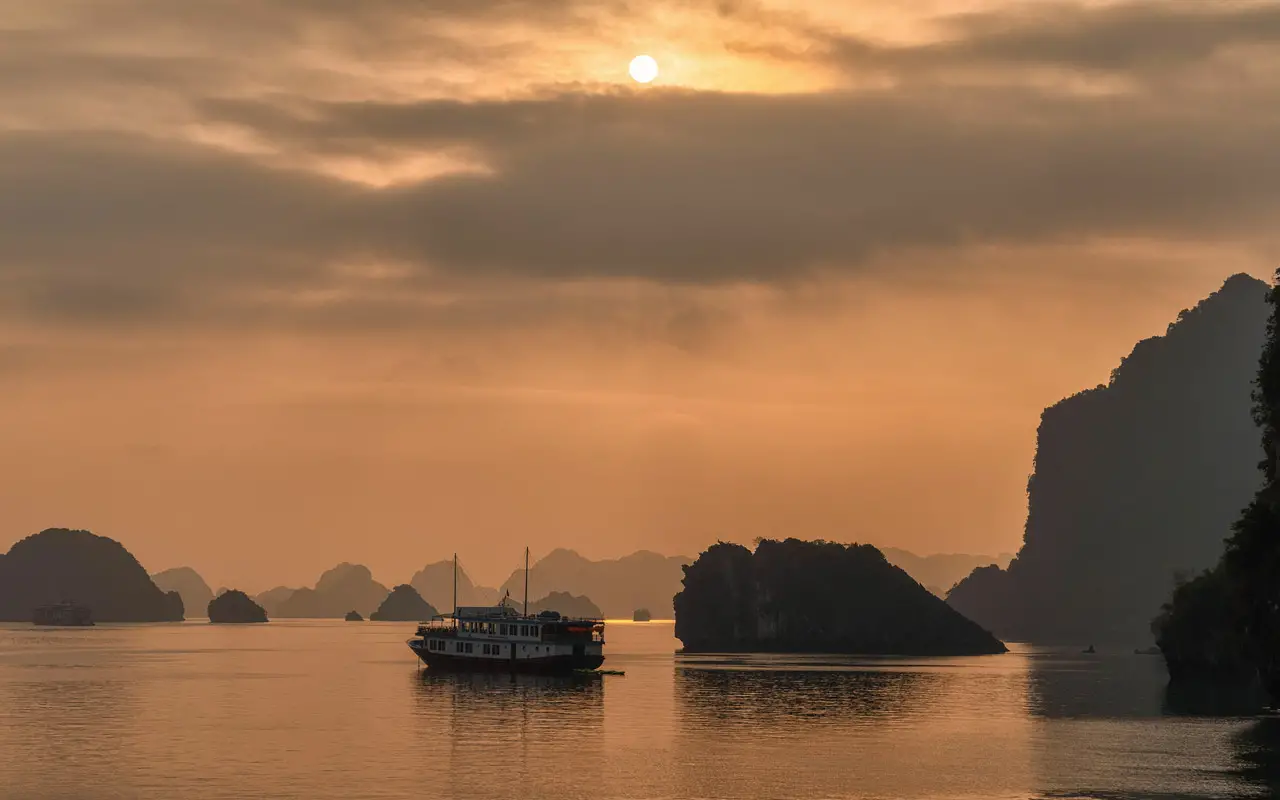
[340,710]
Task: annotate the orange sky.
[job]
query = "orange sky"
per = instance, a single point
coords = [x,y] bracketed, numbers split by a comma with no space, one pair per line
[289,283]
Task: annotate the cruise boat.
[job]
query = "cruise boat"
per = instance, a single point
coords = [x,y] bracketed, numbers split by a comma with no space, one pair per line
[502,638]
[63,614]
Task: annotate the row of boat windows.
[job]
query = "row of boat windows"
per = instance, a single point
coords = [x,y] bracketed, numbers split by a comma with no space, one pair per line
[486,649]
[501,628]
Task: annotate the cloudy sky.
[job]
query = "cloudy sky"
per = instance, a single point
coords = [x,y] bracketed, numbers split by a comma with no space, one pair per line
[289,282]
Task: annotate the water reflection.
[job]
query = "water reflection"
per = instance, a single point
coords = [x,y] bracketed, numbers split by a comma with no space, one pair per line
[57,719]
[1213,701]
[516,735]
[1258,757]
[851,727]
[1075,686]
[765,696]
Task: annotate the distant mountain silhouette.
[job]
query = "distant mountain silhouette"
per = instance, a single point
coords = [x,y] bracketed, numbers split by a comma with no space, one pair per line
[59,565]
[1135,482]
[435,583]
[195,593]
[353,616]
[271,599]
[618,586]
[939,572]
[796,596]
[404,604]
[567,604]
[235,606]
[339,590]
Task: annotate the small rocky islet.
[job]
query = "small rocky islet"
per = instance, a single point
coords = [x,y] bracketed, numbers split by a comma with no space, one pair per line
[236,607]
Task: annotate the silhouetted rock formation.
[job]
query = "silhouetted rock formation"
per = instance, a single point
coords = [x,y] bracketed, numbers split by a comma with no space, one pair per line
[618,586]
[354,616]
[1199,634]
[435,583]
[272,599]
[195,593]
[235,606]
[939,572]
[345,587]
[795,596]
[59,565]
[1225,625]
[1134,482]
[641,615]
[567,604]
[404,604]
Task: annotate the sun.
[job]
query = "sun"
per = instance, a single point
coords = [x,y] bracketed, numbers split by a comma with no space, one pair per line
[643,69]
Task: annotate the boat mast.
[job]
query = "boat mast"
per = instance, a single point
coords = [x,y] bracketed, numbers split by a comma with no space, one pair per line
[455,587]
[526,581]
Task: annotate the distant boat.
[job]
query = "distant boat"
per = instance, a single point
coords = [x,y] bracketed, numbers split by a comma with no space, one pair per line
[641,615]
[500,638]
[1090,651]
[63,614]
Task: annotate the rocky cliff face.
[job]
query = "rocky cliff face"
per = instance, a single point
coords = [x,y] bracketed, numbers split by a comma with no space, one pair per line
[1134,482]
[404,604]
[195,593]
[795,596]
[56,565]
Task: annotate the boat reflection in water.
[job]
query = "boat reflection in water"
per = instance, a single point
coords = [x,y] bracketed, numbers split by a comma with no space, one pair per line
[469,721]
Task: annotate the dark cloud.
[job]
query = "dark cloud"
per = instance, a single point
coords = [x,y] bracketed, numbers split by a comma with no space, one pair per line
[709,187]
[1134,38]
[672,186]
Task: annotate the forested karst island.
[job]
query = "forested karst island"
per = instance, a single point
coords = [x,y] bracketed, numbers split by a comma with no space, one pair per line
[1134,482]
[58,565]
[797,596]
[234,606]
[403,604]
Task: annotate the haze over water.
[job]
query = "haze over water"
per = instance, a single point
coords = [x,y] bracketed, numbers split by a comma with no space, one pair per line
[324,709]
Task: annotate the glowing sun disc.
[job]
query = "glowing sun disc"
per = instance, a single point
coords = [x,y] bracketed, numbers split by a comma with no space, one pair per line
[643,69]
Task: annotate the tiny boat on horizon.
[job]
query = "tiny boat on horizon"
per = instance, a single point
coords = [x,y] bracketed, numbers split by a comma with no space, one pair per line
[66,614]
[501,638]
